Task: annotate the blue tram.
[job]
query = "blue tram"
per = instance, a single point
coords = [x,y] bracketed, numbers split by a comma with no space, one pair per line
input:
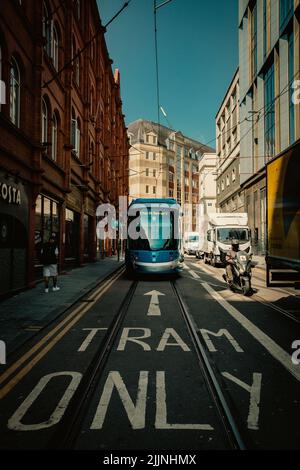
[154,240]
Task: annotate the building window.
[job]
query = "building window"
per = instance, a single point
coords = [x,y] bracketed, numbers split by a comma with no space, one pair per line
[47,28]
[147,171]
[154,156]
[15,87]
[54,137]
[171,177]
[154,173]
[75,134]
[233,175]
[154,140]
[55,48]
[147,189]
[77,7]
[286,11]
[154,189]
[46,222]
[147,155]
[291,90]
[222,185]
[171,193]
[270,113]
[227,180]
[44,122]
[218,189]
[2,85]
[265,21]
[254,40]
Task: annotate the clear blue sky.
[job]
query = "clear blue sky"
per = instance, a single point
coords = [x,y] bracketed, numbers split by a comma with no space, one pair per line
[198,55]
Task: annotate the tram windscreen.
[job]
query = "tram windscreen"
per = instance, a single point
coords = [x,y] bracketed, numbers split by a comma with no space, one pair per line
[154,231]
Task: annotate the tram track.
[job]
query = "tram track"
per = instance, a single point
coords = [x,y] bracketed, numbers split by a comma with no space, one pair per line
[230,426]
[69,428]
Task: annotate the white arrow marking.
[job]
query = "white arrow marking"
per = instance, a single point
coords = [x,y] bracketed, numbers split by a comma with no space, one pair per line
[154,310]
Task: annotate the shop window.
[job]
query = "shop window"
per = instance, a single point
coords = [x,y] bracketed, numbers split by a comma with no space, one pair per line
[46,222]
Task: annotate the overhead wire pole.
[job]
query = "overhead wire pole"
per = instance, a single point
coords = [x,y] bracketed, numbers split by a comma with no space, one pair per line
[155,8]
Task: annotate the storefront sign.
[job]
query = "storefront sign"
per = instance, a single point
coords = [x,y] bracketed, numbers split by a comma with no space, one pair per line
[10,194]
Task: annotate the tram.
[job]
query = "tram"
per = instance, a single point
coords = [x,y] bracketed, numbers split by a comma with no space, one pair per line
[154,240]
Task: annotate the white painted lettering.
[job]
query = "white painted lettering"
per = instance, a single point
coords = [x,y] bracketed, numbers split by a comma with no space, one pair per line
[254,390]
[15,423]
[2,352]
[178,341]
[161,421]
[89,338]
[134,339]
[223,332]
[136,413]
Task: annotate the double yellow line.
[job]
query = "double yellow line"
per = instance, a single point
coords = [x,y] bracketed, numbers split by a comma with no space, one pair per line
[48,341]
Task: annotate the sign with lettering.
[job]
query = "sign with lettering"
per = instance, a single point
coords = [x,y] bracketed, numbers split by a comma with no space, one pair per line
[10,194]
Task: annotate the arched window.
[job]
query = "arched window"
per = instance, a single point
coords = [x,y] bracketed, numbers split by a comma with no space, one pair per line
[54,138]
[75,133]
[15,86]
[44,122]
[77,148]
[77,8]
[55,48]
[47,29]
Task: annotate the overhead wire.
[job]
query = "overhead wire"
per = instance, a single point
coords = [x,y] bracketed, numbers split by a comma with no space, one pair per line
[87,44]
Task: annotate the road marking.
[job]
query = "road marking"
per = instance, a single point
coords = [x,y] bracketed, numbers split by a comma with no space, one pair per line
[134,339]
[223,332]
[161,420]
[178,341]
[273,348]
[147,334]
[136,412]
[89,338]
[255,391]
[74,317]
[2,352]
[195,275]
[15,423]
[154,310]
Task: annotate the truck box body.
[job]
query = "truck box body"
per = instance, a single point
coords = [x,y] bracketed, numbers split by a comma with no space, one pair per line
[283,212]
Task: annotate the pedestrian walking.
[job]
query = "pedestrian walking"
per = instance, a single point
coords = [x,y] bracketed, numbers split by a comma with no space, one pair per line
[49,255]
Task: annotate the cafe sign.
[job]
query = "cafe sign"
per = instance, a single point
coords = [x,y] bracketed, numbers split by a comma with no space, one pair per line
[10,194]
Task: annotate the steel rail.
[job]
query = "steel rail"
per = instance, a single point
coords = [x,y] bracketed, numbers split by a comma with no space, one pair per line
[70,425]
[229,423]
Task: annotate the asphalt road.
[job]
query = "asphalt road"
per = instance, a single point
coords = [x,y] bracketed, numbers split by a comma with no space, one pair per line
[150,391]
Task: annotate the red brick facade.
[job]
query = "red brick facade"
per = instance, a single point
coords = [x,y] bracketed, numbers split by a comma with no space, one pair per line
[63,140]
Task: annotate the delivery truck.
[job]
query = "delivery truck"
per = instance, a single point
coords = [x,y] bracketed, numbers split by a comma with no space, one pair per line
[216,232]
[191,242]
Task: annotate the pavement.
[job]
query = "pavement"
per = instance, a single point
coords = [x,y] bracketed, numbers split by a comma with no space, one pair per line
[260,260]
[22,315]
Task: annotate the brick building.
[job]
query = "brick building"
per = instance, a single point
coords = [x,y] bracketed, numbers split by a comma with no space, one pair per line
[63,141]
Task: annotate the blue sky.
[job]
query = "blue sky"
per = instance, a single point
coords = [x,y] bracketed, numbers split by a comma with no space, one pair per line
[198,55]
